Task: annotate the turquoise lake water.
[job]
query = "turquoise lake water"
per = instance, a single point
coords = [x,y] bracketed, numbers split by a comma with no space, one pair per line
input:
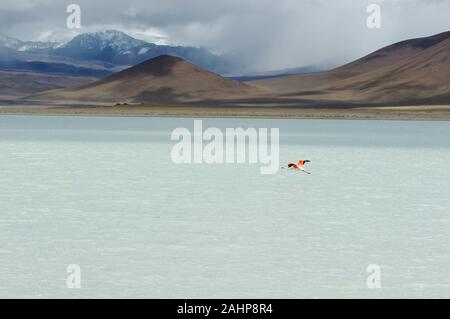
[104,194]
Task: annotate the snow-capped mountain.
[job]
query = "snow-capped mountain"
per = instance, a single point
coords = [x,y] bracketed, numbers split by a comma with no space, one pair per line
[37,46]
[118,48]
[99,41]
[19,45]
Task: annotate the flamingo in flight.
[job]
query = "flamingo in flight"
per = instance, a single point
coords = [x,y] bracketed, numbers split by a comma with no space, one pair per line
[299,166]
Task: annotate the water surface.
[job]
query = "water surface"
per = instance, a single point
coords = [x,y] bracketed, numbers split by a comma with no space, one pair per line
[103,193]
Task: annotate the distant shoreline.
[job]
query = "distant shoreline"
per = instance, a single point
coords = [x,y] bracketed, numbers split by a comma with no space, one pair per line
[441,113]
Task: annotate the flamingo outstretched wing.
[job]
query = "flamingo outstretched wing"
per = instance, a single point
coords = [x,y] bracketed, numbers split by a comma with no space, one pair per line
[299,166]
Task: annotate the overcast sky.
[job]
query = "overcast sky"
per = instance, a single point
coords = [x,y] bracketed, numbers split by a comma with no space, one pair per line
[265,34]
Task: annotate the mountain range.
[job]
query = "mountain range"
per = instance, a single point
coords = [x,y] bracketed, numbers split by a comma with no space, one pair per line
[411,72]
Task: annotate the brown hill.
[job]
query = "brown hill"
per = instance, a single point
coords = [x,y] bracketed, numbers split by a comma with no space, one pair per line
[165,79]
[15,84]
[410,72]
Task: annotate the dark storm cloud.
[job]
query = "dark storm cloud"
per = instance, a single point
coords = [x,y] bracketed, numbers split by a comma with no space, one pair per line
[265,34]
